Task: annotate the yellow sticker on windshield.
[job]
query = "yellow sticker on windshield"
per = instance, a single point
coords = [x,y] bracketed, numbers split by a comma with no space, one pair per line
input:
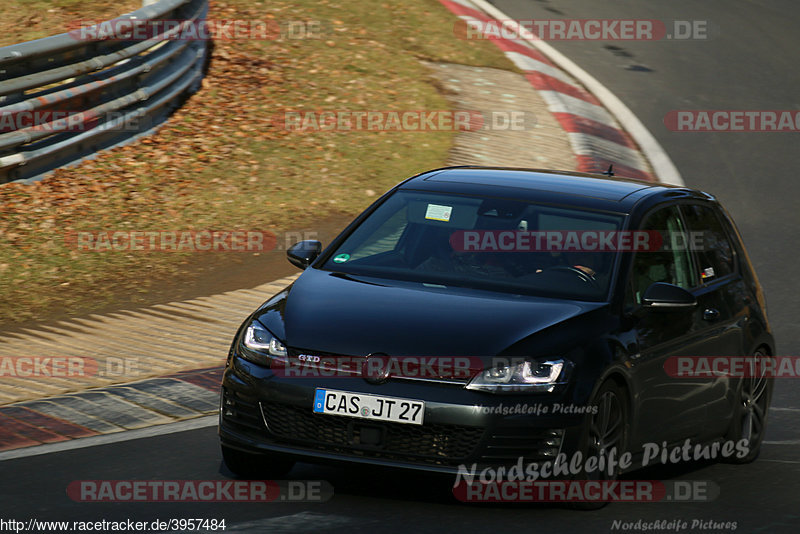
[438,213]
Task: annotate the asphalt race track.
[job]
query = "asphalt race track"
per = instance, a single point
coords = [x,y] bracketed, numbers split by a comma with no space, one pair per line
[749,64]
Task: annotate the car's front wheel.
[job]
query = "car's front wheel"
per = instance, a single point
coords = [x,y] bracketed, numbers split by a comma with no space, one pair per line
[750,416]
[255,466]
[605,430]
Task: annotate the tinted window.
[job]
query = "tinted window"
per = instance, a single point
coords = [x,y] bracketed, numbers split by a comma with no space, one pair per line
[712,247]
[672,263]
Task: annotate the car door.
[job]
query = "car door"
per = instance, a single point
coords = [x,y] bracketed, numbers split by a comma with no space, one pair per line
[721,306]
[665,407]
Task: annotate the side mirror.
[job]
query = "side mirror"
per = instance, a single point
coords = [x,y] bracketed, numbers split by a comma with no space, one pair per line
[668,297]
[304,253]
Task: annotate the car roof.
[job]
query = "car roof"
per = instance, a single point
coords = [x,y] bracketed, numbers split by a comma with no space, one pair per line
[558,187]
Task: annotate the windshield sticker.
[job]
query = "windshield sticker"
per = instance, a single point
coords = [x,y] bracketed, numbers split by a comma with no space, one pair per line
[341,258]
[707,273]
[438,213]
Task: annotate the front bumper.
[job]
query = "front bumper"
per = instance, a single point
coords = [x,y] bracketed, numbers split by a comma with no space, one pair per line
[262,412]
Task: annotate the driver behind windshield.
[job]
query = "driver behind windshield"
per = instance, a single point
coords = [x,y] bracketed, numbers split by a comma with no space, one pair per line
[444,258]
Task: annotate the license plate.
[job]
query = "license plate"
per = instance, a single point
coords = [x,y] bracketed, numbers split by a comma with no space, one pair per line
[373,407]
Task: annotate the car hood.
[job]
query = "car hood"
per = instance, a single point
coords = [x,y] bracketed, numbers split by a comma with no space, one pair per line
[338,314]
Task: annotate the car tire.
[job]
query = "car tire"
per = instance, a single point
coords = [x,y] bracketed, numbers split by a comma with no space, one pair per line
[255,466]
[750,416]
[604,430]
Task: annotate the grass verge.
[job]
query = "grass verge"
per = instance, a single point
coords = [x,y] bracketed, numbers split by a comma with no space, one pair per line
[222,163]
[26,20]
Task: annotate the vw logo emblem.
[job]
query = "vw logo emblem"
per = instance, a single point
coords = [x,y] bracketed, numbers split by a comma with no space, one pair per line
[376,369]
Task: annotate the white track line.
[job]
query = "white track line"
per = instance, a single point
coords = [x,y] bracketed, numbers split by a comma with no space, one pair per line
[93,441]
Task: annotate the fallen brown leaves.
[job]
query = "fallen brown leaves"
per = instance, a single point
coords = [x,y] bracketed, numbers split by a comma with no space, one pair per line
[25,20]
[222,160]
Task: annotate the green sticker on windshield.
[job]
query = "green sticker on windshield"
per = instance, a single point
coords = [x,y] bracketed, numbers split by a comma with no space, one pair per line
[341,258]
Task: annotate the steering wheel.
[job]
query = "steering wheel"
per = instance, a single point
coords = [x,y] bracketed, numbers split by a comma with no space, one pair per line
[584,276]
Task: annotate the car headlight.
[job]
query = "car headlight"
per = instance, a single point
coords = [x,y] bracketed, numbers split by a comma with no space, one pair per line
[261,346]
[529,376]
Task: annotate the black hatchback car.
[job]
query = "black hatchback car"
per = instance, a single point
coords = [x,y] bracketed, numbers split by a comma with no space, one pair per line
[479,315]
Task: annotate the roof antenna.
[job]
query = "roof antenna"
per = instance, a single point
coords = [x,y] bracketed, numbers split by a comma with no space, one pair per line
[610,171]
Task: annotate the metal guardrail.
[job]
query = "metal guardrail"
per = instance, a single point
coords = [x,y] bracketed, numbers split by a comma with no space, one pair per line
[100,93]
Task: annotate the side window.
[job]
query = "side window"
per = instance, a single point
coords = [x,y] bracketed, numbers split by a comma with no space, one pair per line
[711,244]
[672,263]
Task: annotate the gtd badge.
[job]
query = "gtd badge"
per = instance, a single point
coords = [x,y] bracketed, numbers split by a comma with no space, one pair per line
[308,358]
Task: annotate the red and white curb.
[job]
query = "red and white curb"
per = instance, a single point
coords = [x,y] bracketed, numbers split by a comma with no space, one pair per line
[596,136]
[96,412]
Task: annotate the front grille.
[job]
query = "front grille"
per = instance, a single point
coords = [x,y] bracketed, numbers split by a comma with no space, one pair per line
[241,410]
[437,444]
[342,365]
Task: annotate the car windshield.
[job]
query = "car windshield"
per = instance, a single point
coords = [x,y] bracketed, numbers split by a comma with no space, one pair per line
[485,243]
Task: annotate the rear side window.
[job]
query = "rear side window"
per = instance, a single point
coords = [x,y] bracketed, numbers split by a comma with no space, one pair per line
[712,245]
